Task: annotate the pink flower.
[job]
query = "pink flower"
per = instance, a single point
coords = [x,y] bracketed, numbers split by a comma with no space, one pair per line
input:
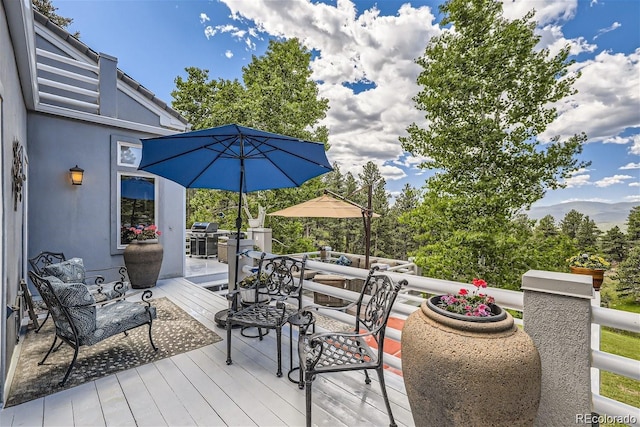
[476,304]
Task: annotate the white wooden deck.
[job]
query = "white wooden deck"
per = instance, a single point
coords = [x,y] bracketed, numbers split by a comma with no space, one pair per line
[198,388]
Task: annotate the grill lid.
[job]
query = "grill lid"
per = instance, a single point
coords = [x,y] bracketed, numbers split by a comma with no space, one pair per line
[205,227]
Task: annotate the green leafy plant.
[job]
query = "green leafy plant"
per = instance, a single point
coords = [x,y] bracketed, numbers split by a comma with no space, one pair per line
[588,261]
[252,280]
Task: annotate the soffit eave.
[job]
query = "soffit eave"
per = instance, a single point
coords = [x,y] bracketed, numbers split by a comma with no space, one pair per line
[21,28]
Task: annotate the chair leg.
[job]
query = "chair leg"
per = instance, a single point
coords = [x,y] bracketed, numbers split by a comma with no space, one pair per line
[73,361]
[228,341]
[380,371]
[151,339]
[367,380]
[279,344]
[53,344]
[308,380]
[43,322]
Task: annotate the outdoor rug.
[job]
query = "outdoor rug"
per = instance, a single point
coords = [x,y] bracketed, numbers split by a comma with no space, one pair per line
[174,332]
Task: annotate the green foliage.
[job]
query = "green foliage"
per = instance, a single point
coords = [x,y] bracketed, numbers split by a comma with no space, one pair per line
[628,275]
[587,235]
[614,244]
[633,225]
[46,8]
[546,227]
[570,224]
[487,94]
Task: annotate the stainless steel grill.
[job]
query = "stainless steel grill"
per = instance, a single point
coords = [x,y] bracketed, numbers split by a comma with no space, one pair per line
[203,239]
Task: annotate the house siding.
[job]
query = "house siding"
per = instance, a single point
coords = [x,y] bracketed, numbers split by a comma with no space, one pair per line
[13,126]
[80,220]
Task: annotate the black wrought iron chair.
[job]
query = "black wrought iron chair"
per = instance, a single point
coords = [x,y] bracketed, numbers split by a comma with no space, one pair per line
[325,352]
[80,321]
[278,280]
[73,271]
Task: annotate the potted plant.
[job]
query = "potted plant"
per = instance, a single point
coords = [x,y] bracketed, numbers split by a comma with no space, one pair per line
[462,359]
[248,287]
[590,265]
[143,255]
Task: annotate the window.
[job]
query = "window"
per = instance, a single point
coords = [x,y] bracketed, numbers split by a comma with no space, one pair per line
[129,154]
[136,203]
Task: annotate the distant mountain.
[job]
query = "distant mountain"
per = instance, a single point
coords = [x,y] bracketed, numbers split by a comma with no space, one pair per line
[605,215]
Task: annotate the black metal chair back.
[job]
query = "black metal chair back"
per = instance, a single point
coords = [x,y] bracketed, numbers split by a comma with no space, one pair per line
[43,259]
[326,352]
[280,280]
[280,277]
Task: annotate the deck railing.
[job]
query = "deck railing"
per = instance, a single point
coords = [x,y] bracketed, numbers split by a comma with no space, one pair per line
[540,285]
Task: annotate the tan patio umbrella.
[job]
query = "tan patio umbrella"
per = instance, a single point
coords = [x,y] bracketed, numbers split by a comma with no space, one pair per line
[327,206]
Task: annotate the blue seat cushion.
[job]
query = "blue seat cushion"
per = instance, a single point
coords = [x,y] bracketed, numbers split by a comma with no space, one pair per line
[118,317]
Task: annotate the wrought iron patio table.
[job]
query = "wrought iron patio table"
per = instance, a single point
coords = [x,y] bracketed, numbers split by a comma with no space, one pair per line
[303,322]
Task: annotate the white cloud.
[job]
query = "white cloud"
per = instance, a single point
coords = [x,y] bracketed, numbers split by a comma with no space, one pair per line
[634,184]
[209,31]
[602,31]
[617,140]
[578,180]
[228,54]
[612,180]
[592,199]
[355,46]
[204,18]
[635,146]
[630,166]
[607,100]
[633,198]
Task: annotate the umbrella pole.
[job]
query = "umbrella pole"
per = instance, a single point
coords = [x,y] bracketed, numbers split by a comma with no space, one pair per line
[239,221]
[367,228]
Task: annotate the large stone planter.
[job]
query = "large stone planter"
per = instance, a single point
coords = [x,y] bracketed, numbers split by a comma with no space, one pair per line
[596,274]
[143,259]
[469,373]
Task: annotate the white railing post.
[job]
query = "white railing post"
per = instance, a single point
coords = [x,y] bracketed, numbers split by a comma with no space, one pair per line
[595,345]
[557,316]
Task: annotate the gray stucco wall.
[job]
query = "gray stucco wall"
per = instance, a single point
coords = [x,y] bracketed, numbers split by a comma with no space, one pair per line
[79,220]
[13,125]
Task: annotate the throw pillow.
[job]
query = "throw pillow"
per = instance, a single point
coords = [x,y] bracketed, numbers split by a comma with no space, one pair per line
[343,260]
[78,300]
[69,271]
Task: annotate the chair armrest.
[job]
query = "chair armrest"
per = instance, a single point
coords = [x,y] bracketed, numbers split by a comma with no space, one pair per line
[146,296]
[99,278]
[324,307]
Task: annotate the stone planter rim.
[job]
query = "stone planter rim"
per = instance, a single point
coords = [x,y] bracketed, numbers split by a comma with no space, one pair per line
[499,313]
[138,242]
[497,328]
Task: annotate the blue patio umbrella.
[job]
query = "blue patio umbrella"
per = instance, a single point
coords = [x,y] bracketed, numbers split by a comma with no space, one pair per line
[234,158]
[137,188]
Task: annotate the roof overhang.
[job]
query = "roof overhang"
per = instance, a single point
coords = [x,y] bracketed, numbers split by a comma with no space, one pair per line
[20,22]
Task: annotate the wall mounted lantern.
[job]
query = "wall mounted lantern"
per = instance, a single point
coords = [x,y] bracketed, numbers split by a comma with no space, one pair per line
[76,175]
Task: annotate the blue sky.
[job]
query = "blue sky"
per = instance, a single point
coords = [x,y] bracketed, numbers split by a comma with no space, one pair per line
[369,41]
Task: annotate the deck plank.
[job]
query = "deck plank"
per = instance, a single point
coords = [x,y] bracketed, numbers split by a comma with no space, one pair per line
[82,397]
[58,410]
[177,376]
[168,403]
[143,407]
[27,414]
[113,401]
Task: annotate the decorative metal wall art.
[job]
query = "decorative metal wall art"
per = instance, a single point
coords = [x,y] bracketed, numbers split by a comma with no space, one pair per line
[17,173]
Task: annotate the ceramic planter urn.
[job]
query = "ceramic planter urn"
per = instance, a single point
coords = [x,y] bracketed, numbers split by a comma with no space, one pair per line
[596,274]
[143,259]
[459,372]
